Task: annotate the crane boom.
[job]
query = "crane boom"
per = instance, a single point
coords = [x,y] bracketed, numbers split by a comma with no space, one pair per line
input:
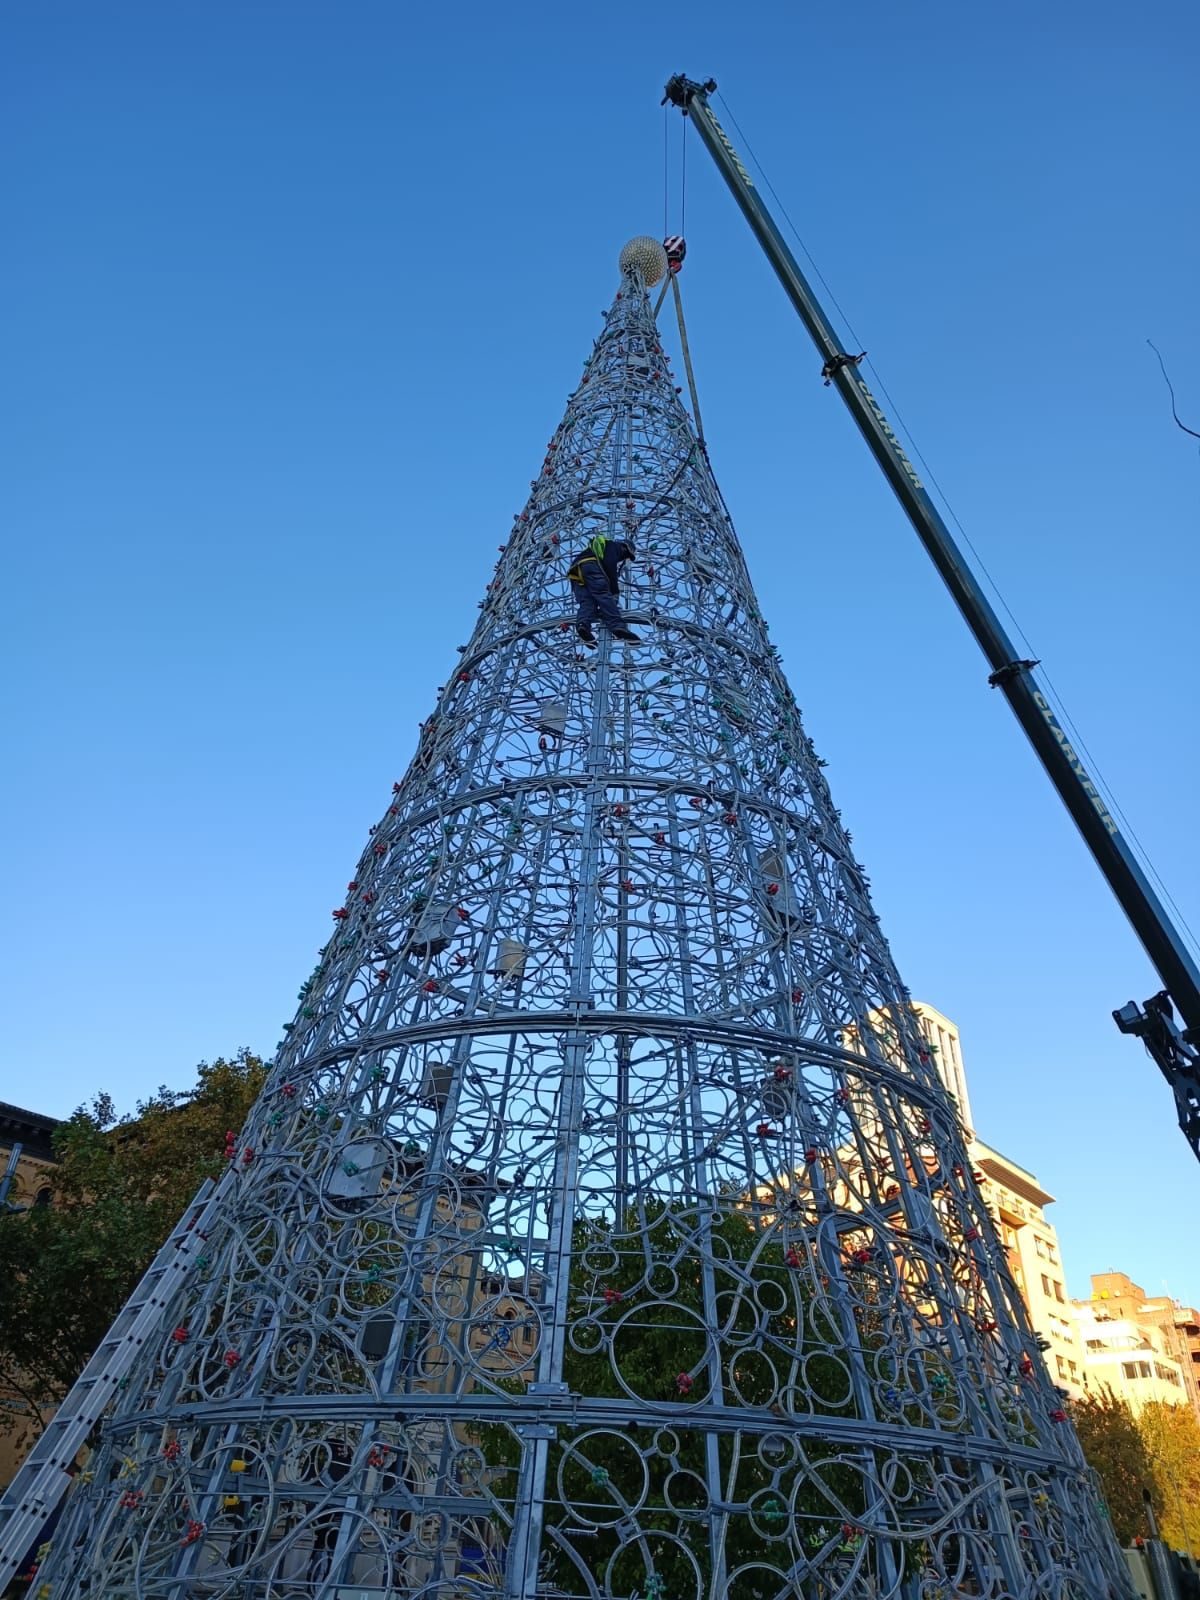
[1174,1050]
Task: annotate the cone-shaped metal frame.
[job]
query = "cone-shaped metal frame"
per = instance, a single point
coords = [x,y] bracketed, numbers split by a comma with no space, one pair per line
[604,1228]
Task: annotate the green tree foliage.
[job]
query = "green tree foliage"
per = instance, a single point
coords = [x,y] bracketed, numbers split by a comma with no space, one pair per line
[119,1188]
[1116,1452]
[1171,1436]
[1158,1450]
[639,1333]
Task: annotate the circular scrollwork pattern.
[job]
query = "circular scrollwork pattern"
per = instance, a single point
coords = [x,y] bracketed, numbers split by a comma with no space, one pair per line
[604,1228]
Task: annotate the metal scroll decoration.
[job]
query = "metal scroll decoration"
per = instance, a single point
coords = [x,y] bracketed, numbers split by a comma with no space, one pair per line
[604,1229]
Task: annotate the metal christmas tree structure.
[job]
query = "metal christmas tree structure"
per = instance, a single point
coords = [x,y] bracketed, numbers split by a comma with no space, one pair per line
[604,1229]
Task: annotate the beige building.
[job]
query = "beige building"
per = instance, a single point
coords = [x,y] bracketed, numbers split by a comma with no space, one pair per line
[1142,1347]
[946,1049]
[1017,1202]
[32,1132]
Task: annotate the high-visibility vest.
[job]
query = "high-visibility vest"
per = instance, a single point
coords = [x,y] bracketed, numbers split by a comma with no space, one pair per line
[597,548]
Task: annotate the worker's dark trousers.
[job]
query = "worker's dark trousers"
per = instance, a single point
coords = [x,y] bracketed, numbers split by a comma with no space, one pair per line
[596,599]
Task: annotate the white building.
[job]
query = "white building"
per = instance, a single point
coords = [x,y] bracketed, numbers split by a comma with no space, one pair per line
[1129,1359]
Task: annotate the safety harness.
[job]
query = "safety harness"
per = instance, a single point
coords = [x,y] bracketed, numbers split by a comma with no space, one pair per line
[594,552]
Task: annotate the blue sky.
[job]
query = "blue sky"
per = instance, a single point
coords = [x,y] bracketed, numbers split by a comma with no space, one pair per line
[294,294]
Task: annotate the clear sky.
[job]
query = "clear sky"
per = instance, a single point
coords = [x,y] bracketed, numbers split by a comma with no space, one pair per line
[293,295]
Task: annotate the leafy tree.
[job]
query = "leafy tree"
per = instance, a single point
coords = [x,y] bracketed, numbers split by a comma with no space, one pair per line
[1116,1451]
[1171,1436]
[636,1308]
[1158,1450]
[119,1188]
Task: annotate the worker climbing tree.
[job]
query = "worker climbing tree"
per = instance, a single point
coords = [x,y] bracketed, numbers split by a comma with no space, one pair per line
[595,572]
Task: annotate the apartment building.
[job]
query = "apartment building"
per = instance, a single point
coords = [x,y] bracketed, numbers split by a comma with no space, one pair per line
[30,1134]
[1142,1347]
[1017,1202]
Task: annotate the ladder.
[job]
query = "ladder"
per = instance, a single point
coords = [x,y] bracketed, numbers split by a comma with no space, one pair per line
[43,1478]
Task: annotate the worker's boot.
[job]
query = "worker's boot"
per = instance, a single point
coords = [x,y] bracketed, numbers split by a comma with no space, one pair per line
[627,634]
[584,630]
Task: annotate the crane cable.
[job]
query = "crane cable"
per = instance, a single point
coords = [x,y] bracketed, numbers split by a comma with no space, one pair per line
[687,360]
[662,293]
[666,171]
[1171,391]
[683,181]
[673,281]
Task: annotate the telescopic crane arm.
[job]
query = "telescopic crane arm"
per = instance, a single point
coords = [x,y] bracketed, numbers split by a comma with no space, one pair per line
[1174,1050]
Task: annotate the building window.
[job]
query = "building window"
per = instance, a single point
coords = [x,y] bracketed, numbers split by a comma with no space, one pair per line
[1039,1244]
[1051,1254]
[1062,1366]
[1058,1293]
[1074,1370]
[1046,1290]
[43,1197]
